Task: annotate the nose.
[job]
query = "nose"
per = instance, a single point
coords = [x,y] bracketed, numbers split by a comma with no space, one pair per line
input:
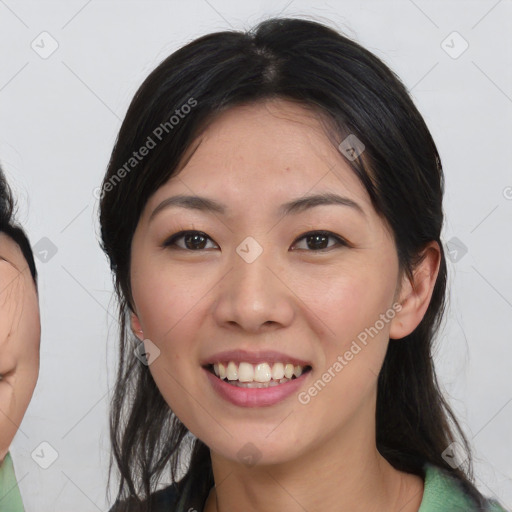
[254,296]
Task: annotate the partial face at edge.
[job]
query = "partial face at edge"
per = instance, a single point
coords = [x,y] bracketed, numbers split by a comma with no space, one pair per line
[20,333]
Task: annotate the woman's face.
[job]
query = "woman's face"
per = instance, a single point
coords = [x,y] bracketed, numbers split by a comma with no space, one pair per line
[20,333]
[251,283]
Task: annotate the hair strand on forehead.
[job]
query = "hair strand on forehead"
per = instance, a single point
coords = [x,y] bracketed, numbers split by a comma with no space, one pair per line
[9,226]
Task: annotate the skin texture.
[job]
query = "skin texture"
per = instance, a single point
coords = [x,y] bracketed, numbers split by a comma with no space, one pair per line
[20,333]
[293,298]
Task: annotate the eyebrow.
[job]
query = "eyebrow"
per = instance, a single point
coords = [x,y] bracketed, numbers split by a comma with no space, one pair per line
[292,207]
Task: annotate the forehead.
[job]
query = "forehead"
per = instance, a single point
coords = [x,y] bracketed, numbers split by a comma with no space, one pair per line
[267,151]
[10,251]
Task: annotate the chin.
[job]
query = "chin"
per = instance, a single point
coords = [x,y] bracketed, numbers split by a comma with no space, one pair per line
[256,451]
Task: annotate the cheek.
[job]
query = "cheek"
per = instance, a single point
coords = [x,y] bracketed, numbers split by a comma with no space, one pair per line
[354,346]
[348,300]
[169,306]
[354,350]
[163,299]
[14,399]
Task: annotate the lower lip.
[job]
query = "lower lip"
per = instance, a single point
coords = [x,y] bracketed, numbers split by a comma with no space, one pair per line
[255,397]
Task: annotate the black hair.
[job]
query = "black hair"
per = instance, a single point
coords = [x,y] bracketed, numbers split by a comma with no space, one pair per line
[355,93]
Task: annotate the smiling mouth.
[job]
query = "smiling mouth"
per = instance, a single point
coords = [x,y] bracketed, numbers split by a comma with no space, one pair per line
[261,375]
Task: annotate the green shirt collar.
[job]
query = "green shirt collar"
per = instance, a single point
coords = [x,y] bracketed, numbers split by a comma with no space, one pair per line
[10,498]
[444,493]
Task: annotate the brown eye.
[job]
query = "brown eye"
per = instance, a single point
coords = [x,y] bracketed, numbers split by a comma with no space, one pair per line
[193,240]
[318,240]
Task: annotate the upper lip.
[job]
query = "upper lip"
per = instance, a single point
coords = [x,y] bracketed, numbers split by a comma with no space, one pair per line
[261,356]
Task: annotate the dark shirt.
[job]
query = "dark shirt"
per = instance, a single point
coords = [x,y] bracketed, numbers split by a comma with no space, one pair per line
[179,496]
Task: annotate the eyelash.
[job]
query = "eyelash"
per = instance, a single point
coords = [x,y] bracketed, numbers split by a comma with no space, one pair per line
[170,243]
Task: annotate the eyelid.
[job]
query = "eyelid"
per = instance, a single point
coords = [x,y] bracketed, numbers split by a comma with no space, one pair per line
[328,234]
[170,242]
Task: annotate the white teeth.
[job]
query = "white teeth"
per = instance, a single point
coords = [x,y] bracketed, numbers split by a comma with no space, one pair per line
[270,384]
[245,372]
[232,371]
[262,373]
[278,371]
[266,374]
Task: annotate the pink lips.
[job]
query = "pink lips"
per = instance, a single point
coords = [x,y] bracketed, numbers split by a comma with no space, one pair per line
[255,397]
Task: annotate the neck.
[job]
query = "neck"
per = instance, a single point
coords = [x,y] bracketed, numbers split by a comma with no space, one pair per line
[345,473]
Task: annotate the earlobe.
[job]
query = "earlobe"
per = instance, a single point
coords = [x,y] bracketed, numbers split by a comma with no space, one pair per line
[415,296]
[136,327]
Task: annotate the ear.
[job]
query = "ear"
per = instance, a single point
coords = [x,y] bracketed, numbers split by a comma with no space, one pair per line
[135,325]
[415,296]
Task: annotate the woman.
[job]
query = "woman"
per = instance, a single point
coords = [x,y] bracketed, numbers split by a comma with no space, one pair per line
[20,333]
[272,214]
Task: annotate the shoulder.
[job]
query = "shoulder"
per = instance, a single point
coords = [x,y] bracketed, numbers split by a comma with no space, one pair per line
[444,492]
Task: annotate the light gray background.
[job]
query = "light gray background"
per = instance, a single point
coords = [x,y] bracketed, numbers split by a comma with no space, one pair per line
[60,117]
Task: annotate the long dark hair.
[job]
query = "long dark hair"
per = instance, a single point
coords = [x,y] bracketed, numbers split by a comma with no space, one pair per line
[355,93]
[9,226]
